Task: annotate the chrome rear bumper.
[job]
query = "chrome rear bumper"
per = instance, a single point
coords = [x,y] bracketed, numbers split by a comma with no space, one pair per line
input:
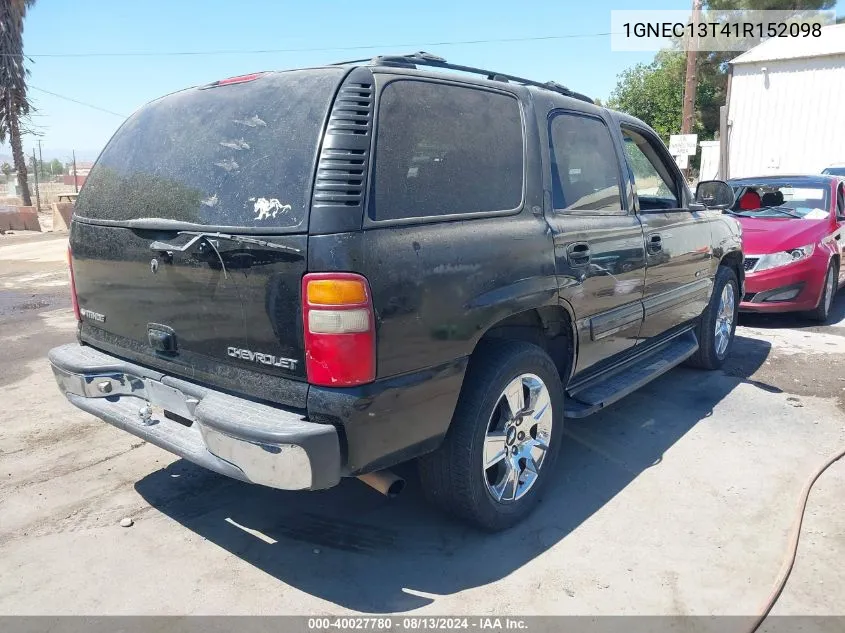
[233,436]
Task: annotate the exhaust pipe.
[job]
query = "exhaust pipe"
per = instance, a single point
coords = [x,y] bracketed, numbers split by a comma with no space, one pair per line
[385,482]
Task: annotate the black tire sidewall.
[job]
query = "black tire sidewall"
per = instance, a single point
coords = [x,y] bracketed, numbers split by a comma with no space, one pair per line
[823,311]
[707,333]
[529,360]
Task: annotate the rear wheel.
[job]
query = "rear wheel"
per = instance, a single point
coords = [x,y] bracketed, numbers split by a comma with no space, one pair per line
[716,326]
[504,438]
[822,311]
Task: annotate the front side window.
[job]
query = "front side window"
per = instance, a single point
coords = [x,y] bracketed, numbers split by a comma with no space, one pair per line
[446,150]
[656,189]
[585,168]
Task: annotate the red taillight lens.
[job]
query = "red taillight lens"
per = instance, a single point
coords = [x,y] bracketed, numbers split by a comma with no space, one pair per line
[339,325]
[73,298]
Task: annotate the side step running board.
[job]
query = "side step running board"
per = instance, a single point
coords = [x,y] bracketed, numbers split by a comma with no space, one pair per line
[587,398]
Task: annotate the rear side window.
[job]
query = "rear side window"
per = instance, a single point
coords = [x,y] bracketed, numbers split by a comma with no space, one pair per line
[585,167]
[445,150]
[238,155]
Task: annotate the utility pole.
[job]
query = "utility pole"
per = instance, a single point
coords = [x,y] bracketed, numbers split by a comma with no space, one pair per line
[75,185]
[691,79]
[35,169]
[40,157]
[688,116]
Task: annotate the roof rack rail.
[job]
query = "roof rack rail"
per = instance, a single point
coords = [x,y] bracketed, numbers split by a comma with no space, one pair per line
[427,59]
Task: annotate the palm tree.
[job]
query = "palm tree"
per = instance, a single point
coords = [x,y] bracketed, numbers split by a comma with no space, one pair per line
[14,104]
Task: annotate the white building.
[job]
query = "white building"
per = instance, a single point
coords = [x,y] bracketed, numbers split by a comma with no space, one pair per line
[786,106]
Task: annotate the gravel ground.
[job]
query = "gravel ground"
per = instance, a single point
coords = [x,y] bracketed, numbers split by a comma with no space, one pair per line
[677,500]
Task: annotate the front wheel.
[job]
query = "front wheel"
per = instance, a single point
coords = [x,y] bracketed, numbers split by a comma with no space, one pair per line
[504,438]
[717,324]
[822,311]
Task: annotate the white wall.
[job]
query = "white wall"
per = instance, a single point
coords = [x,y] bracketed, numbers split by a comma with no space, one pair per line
[709,166]
[788,120]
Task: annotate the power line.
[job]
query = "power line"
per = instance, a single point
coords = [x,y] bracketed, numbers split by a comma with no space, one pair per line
[87,105]
[321,49]
[289,50]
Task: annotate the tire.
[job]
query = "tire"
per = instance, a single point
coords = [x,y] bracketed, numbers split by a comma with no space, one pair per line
[712,350]
[453,477]
[822,311]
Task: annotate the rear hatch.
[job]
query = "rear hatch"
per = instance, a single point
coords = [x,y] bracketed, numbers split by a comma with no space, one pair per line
[189,237]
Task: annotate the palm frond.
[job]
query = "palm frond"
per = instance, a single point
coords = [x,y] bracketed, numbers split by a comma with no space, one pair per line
[14,102]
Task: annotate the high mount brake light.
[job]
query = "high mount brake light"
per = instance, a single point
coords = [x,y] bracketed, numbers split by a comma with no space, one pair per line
[339,326]
[240,79]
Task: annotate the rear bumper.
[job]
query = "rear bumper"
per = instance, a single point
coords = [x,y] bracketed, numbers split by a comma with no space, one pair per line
[232,436]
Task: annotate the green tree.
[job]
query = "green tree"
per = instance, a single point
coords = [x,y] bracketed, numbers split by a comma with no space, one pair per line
[655,93]
[7,169]
[56,167]
[14,104]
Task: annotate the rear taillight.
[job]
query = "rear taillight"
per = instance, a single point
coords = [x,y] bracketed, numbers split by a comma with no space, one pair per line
[74,301]
[339,325]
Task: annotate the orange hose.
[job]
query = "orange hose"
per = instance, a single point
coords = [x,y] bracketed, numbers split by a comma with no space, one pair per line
[792,552]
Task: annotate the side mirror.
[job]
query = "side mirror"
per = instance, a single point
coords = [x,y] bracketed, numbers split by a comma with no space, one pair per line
[715,194]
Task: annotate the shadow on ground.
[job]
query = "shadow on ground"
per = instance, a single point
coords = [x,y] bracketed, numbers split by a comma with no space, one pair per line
[794,320]
[352,547]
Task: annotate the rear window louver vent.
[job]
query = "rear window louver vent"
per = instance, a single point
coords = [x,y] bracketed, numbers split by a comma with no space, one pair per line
[341,173]
[340,177]
[353,109]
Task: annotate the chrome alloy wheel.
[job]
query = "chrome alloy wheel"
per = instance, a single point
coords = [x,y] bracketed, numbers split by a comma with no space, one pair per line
[517,438]
[725,319]
[830,290]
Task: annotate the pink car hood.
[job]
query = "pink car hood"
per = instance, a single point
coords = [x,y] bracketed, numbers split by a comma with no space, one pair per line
[760,237]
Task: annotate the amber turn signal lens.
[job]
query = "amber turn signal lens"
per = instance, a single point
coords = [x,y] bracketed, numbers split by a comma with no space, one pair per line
[336,292]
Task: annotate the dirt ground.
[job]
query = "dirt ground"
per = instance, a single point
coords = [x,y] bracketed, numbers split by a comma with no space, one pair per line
[677,500]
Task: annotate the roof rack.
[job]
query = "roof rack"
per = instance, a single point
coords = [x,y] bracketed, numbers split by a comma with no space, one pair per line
[427,59]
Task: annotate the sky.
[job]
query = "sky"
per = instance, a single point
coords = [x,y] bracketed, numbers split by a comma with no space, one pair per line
[80,49]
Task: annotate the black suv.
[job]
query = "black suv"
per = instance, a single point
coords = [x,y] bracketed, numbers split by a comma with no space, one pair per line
[294,277]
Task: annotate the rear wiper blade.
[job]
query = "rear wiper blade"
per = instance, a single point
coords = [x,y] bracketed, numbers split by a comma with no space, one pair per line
[198,236]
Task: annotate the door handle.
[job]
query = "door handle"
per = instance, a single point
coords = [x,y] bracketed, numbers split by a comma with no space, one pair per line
[578,254]
[655,243]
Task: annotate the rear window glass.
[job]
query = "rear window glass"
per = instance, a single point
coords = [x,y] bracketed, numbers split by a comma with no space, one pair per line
[445,150]
[239,155]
